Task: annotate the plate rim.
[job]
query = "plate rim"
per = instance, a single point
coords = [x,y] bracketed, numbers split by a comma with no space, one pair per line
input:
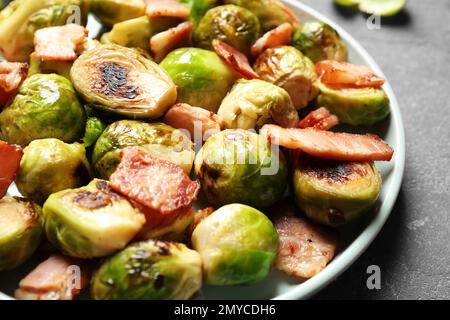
[357,247]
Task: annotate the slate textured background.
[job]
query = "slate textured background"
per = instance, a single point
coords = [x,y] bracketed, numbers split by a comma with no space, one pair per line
[413,249]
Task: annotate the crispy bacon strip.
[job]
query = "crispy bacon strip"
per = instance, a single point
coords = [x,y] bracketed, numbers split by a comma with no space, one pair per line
[237,60]
[12,75]
[330,145]
[10,156]
[54,279]
[164,42]
[279,36]
[166,8]
[183,116]
[320,119]
[344,74]
[305,248]
[58,43]
[154,183]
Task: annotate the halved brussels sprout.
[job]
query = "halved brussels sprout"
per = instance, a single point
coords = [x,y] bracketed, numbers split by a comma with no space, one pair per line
[202,78]
[238,245]
[319,41]
[334,193]
[117,79]
[111,12]
[20,231]
[355,106]
[150,270]
[136,33]
[45,107]
[238,166]
[288,68]
[253,103]
[90,222]
[271,13]
[50,165]
[159,139]
[231,24]
[22,18]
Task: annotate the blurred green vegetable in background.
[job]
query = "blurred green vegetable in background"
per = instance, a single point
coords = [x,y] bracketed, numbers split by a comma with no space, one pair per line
[22,18]
[384,8]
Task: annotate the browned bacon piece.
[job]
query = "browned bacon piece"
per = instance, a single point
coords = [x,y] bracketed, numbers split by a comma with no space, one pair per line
[330,145]
[235,59]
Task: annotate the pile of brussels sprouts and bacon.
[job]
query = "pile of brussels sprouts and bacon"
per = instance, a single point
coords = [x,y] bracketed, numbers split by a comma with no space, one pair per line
[191,144]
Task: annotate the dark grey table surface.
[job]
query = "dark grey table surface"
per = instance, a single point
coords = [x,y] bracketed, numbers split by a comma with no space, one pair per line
[413,249]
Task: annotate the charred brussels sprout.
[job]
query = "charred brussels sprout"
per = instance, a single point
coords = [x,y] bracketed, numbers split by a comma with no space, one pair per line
[288,68]
[150,270]
[253,103]
[159,139]
[45,107]
[319,41]
[238,166]
[202,78]
[90,222]
[271,13]
[50,165]
[22,18]
[334,193]
[231,24]
[122,81]
[111,12]
[355,106]
[20,231]
[238,245]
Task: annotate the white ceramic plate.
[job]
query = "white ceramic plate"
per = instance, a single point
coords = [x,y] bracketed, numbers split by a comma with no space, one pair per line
[354,240]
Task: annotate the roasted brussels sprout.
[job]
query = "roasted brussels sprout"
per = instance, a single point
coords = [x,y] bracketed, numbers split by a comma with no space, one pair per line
[202,78]
[45,107]
[159,139]
[231,24]
[271,13]
[116,79]
[253,103]
[238,245]
[136,33]
[319,41]
[334,193]
[90,222]
[355,106]
[288,68]
[238,166]
[22,18]
[20,231]
[111,12]
[61,68]
[150,270]
[50,165]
